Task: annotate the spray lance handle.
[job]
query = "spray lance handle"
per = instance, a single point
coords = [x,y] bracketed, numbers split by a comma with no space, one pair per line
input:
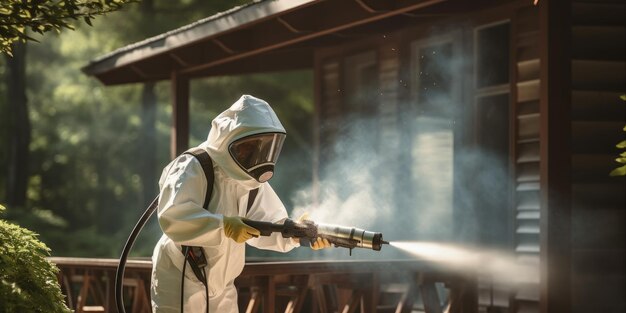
[289,229]
[265,228]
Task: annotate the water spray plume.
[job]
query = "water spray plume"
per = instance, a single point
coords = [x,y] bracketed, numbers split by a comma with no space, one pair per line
[501,267]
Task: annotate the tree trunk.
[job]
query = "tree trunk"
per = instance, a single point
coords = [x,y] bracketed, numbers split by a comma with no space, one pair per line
[19,127]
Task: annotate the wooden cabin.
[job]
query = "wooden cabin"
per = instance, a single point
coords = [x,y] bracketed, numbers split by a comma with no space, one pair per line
[531,90]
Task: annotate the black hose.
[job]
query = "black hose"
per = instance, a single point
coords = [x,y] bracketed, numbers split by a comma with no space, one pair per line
[206,290]
[182,286]
[119,276]
[204,281]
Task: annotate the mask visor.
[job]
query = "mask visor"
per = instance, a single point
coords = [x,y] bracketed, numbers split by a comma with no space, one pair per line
[257,151]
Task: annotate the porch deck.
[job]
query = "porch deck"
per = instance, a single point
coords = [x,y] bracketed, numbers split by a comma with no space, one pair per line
[295,286]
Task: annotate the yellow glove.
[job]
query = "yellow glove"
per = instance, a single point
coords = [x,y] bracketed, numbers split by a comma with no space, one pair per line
[237,230]
[303,217]
[319,243]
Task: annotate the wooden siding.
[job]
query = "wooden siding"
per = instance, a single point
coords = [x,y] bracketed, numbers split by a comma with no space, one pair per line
[598,116]
[525,80]
[598,202]
[330,107]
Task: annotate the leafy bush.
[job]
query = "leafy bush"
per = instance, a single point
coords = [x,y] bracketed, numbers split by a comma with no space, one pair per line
[621,171]
[27,279]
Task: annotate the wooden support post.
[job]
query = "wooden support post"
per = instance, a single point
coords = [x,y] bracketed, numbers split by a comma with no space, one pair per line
[110,291]
[405,304]
[370,301]
[432,304]
[84,292]
[298,301]
[269,302]
[253,302]
[67,285]
[468,297]
[555,107]
[180,114]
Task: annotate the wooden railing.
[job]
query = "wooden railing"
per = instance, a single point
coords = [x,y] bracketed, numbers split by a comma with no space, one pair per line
[298,286]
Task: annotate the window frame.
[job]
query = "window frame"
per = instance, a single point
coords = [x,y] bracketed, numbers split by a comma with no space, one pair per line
[485,92]
[454,37]
[492,90]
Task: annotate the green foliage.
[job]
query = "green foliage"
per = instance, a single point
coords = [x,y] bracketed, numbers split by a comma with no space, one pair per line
[27,279]
[621,171]
[84,187]
[18,16]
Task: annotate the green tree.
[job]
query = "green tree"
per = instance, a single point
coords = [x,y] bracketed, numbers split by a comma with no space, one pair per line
[17,17]
[18,125]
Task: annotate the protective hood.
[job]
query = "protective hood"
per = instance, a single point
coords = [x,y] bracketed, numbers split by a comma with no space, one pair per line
[248,116]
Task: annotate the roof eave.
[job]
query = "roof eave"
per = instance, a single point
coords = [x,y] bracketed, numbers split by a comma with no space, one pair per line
[201,30]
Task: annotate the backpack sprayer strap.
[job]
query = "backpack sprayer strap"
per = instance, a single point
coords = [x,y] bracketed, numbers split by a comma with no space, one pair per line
[193,254]
[251,197]
[207,166]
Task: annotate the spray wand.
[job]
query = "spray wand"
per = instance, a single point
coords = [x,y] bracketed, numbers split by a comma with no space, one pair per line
[308,231]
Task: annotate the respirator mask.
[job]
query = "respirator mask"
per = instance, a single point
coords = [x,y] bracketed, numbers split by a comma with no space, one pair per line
[257,154]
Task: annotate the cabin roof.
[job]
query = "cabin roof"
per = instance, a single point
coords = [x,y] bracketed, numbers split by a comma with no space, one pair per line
[262,36]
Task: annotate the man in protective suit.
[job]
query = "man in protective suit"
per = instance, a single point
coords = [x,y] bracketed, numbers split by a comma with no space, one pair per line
[244,143]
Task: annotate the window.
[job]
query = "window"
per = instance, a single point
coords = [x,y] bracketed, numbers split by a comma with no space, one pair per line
[435,99]
[492,55]
[492,174]
[492,177]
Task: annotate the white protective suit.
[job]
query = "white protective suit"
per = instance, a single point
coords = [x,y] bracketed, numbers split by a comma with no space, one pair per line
[185,222]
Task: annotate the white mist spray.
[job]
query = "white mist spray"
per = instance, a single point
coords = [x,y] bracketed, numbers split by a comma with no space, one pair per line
[400,173]
[499,266]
